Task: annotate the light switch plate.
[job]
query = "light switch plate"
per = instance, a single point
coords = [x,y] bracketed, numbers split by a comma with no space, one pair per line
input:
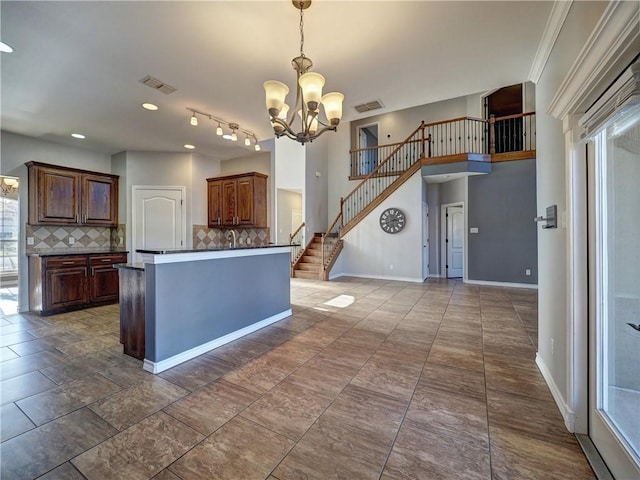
[473,230]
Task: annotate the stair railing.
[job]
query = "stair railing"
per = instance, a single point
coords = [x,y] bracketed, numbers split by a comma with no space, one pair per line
[457,136]
[296,240]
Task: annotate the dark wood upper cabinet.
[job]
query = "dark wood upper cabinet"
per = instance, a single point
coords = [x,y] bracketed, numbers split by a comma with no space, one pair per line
[99,200]
[67,196]
[237,201]
[214,203]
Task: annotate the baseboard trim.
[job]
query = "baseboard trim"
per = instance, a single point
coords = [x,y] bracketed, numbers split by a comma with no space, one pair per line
[502,284]
[378,277]
[568,415]
[162,365]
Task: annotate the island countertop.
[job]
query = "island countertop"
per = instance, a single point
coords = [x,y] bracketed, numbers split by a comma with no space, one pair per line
[51,252]
[157,256]
[181,303]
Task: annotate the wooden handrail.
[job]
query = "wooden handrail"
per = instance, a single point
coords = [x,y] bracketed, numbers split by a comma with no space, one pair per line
[516,115]
[363,149]
[296,232]
[382,164]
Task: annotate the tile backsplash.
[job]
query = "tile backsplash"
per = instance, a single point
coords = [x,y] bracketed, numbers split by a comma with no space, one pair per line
[205,237]
[53,236]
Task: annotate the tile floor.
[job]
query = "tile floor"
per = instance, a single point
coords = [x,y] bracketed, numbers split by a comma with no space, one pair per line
[368,379]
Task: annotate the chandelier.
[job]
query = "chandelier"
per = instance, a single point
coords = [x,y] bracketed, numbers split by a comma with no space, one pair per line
[306,111]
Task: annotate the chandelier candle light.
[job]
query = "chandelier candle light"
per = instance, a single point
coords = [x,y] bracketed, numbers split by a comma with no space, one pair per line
[308,98]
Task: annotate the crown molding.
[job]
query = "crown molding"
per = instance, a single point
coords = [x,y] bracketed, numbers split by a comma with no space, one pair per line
[612,41]
[556,19]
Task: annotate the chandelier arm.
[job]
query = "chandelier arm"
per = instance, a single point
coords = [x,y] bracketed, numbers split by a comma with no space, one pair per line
[285,126]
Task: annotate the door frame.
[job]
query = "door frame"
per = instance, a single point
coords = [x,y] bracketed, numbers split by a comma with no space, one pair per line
[425,241]
[444,271]
[137,188]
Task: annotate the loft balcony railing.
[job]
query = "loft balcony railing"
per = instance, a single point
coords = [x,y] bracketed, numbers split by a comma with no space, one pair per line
[502,138]
[509,136]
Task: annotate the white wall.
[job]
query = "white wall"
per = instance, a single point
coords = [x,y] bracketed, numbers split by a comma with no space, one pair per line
[316,178]
[551,190]
[287,202]
[370,252]
[15,151]
[201,168]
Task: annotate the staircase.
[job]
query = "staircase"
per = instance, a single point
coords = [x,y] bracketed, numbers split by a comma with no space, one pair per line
[457,140]
[309,265]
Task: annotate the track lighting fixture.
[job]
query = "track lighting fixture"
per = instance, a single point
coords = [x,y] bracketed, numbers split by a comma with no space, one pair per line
[249,137]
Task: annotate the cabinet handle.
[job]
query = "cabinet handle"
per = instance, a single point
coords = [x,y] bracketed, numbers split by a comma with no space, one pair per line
[68,263]
[105,260]
[93,272]
[219,220]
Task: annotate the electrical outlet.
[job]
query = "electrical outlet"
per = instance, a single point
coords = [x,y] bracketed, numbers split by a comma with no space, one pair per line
[30,241]
[391,267]
[248,240]
[527,271]
[72,240]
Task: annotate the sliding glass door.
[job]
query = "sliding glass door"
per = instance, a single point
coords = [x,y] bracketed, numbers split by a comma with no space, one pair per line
[614,412]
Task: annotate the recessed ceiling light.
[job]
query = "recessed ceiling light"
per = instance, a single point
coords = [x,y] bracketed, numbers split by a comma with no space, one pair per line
[188,146]
[150,106]
[5,48]
[77,135]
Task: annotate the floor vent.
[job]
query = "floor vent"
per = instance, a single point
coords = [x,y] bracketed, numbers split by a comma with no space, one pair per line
[156,84]
[366,107]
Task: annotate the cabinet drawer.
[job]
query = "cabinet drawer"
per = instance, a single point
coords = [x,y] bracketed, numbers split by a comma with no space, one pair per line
[62,262]
[96,260]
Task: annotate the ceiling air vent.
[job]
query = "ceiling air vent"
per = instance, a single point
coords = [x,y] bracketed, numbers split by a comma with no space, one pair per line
[156,84]
[367,107]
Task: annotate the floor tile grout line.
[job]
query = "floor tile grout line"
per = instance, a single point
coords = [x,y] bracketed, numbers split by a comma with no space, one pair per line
[415,387]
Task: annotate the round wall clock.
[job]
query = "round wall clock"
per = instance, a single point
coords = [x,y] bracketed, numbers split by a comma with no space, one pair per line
[392,220]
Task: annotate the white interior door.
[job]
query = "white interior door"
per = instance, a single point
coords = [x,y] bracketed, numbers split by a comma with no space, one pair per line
[425,241]
[158,218]
[455,242]
[614,364]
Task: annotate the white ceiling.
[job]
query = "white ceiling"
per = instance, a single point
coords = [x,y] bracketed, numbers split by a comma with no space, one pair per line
[77,65]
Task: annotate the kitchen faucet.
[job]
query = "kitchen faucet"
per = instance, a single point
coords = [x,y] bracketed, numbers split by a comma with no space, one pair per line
[232,243]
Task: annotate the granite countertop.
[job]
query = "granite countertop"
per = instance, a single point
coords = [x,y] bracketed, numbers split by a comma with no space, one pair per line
[130,266]
[48,252]
[216,249]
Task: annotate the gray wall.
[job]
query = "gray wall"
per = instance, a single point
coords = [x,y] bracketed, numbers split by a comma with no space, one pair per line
[191,303]
[502,206]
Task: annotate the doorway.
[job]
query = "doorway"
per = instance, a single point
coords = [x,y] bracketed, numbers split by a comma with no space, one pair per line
[453,231]
[9,228]
[425,240]
[614,291]
[158,219]
[508,132]
[368,148]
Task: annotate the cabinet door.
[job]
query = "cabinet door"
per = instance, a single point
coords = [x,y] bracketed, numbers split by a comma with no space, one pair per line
[104,278]
[229,202]
[56,197]
[214,199]
[244,211]
[65,287]
[103,284]
[99,201]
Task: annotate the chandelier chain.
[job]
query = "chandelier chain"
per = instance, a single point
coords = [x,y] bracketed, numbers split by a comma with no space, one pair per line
[301,32]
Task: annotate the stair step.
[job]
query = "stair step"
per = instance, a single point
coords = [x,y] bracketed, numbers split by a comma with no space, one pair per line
[312,253]
[305,274]
[315,267]
[311,259]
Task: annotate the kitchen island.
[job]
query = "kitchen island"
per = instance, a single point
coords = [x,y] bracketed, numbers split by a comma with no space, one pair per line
[197,300]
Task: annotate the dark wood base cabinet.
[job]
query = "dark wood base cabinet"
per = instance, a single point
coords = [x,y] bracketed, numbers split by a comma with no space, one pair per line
[132,314]
[70,282]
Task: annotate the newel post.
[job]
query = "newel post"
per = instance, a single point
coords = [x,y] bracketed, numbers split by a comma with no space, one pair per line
[492,134]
